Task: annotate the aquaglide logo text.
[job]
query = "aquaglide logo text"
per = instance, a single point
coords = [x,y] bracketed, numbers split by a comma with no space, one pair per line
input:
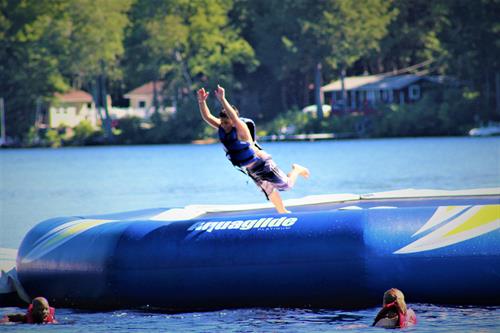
[265,222]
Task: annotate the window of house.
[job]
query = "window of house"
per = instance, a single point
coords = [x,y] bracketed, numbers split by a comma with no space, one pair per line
[353,98]
[414,92]
[386,95]
[370,96]
[142,104]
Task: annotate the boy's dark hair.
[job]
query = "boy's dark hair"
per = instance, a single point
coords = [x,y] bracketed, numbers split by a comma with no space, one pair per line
[223,113]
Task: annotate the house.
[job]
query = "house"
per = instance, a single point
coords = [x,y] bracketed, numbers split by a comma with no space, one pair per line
[72,107]
[142,102]
[363,92]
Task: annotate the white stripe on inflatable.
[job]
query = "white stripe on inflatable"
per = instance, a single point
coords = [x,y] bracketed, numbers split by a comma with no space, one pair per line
[428,193]
[178,214]
[439,238]
[350,208]
[194,211]
[441,215]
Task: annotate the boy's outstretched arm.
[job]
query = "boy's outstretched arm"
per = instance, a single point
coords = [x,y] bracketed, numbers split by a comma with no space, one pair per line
[202,96]
[241,127]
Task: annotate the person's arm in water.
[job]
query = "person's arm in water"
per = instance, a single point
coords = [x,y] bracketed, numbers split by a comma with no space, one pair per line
[14,318]
[241,127]
[205,112]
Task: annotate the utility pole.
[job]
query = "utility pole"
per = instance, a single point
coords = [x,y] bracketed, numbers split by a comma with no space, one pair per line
[2,119]
[342,84]
[38,113]
[156,104]
[101,100]
[185,73]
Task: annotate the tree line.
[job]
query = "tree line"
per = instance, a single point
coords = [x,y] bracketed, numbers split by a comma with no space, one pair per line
[270,54]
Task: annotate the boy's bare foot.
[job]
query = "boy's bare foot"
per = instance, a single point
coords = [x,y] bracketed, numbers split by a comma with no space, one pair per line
[304,172]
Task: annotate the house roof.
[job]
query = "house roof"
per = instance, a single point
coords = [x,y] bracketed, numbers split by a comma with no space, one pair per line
[144,90]
[75,96]
[374,82]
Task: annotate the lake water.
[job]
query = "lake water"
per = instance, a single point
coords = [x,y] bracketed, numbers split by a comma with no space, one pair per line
[38,184]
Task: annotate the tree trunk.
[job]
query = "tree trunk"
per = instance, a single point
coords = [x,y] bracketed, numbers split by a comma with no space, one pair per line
[104,101]
[2,120]
[497,93]
[487,97]
[155,97]
[317,91]
[305,90]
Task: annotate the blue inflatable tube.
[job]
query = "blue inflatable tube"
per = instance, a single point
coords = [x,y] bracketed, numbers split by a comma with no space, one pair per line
[340,252]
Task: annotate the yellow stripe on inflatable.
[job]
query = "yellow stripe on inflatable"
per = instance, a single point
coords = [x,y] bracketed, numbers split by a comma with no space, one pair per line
[72,230]
[60,235]
[485,215]
[441,214]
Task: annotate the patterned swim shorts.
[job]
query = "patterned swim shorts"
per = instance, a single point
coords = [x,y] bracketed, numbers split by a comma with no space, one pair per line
[268,176]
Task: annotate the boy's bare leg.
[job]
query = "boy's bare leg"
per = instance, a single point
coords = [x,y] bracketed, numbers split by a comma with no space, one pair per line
[296,171]
[275,198]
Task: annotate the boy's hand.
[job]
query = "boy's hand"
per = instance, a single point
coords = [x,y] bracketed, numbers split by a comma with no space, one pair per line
[202,95]
[220,93]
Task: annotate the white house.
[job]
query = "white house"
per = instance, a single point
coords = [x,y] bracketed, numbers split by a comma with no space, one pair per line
[142,101]
[70,108]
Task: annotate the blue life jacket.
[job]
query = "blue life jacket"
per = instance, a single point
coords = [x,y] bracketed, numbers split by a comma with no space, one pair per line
[240,153]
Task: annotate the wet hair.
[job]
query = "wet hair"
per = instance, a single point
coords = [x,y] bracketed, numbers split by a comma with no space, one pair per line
[397,297]
[393,304]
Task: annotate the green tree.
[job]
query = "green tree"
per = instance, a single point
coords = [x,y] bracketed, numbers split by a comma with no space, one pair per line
[473,44]
[413,37]
[29,72]
[156,32]
[47,46]
[94,44]
[187,44]
[274,28]
[292,37]
[344,31]
[131,131]
[83,133]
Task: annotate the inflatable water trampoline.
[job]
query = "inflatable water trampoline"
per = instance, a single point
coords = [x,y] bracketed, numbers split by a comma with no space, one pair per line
[331,251]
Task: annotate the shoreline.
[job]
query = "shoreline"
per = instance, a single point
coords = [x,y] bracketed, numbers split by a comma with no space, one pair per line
[267,138]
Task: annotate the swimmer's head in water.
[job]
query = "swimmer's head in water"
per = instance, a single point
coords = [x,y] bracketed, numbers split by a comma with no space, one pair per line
[40,310]
[394,297]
